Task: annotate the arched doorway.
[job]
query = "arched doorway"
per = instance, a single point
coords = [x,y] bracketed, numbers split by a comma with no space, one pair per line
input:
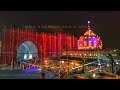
[27,51]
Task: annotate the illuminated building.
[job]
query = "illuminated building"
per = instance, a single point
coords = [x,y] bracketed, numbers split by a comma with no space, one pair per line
[26,44]
[89,41]
[89,46]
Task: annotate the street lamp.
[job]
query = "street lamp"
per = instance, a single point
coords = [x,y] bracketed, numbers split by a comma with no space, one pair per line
[83,69]
[99,64]
[68,71]
[112,61]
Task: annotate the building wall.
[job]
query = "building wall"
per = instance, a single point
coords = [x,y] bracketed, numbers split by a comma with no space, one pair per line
[48,45]
[91,54]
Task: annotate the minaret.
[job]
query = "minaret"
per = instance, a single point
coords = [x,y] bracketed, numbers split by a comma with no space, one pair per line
[88,25]
[89,31]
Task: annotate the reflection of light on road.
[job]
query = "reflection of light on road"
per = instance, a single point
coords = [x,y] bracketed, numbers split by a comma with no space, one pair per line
[91,63]
[77,67]
[96,68]
[93,70]
[94,62]
[30,70]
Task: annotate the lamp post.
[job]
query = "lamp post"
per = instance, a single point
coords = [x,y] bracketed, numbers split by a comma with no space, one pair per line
[41,54]
[99,64]
[98,56]
[83,66]
[112,61]
[68,71]
[12,64]
[83,69]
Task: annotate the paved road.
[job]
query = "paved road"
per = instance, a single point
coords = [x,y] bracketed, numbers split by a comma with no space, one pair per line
[25,74]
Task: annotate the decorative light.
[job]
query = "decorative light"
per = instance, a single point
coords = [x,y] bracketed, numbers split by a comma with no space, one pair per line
[25,56]
[107,64]
[114,50]
[62,61]
[45,61]
[94,75]
[30,56]
[94,46]
[72,63]
[117,63]
[99,64]
[80,44]
[39,69]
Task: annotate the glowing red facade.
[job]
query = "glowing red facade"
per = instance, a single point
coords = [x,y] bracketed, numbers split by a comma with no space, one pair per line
[47,44]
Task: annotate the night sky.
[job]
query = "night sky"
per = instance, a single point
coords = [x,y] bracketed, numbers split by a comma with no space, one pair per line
[105,24]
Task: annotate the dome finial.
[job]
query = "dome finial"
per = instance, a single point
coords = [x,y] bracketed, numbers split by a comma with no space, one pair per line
[88,25]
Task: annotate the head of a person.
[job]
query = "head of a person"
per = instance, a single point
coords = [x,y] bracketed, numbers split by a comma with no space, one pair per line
[42,76]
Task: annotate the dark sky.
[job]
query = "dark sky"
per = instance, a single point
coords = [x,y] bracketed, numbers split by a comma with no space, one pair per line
[104,23]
